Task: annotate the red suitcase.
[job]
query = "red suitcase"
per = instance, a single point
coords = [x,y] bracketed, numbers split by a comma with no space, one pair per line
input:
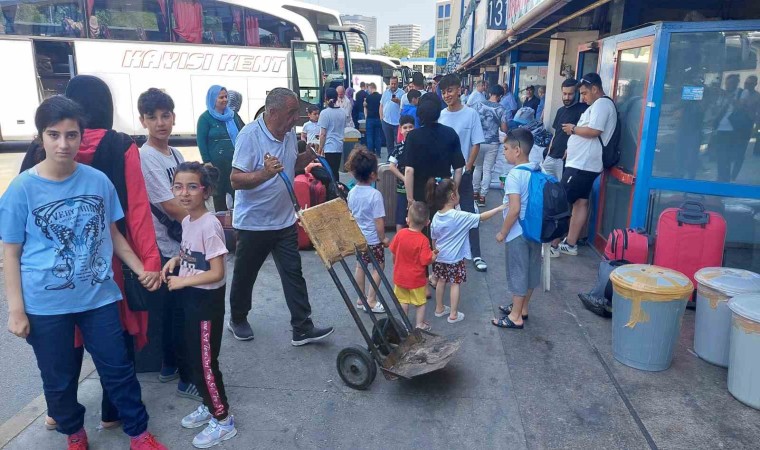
[629,244]
[309,192]
[690,238]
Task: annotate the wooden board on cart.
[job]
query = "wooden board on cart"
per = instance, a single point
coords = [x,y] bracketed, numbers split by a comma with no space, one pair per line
[333,231]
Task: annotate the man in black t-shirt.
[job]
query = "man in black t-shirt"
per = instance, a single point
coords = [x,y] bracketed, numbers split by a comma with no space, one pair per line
[569,113]
[372,113]
[431,151]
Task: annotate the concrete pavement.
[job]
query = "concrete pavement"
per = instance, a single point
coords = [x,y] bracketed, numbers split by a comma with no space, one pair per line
[552,385]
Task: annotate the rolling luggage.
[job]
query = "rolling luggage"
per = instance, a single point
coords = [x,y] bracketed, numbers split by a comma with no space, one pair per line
[386,184]
[309,192]
[629,244]
[689,238]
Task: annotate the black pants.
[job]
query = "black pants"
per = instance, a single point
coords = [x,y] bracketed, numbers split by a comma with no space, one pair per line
[333,159]
[172,330]
[253,247]
[467,203]
[204,324]
[731,147]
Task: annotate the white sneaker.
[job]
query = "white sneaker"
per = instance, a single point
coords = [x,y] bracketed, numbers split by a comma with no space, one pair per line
[446,311]
[460,317]
[197,418]
[215,433]
[554,252]
[568,249]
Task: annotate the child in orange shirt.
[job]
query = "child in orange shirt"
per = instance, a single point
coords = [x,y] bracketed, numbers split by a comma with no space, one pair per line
[411,256]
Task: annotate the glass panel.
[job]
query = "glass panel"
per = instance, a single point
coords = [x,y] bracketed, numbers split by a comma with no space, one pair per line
[333,64]
[531,75]
[590,63]
[709,108]
[307,71]
[629,98]
[136,20]
[617,199]
[60,18]
[264,30]
[742,218]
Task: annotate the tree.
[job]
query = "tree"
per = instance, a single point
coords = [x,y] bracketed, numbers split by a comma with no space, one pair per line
[394,51]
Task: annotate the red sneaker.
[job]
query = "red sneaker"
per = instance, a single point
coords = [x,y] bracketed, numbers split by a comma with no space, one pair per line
[145,441]
[78,440]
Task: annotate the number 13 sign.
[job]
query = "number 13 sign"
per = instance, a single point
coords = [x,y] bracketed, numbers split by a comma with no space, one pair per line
[497,14]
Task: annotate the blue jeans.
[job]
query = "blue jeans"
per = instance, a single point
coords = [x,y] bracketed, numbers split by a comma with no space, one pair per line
[52,338]
[374,136]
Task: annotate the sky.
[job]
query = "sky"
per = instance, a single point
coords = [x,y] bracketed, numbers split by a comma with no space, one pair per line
[389,12]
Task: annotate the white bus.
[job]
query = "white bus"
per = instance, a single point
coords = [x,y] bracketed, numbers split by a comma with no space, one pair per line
[376,69]
[181,46]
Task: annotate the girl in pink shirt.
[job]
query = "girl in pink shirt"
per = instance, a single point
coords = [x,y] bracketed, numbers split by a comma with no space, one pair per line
[201,263]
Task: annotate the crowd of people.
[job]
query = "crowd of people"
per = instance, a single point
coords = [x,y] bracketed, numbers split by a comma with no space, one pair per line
[96,218]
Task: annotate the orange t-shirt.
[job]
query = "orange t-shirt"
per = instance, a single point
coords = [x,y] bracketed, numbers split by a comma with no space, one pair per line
[411,255]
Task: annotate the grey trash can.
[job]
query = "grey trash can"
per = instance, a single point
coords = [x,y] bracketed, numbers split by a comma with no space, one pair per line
[744,354]
[715,287]
[649,302]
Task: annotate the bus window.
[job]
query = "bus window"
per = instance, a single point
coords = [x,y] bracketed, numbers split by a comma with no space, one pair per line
[59,18]
[263,30]
[333,64]
[187,21]
[136,20]
[222,24]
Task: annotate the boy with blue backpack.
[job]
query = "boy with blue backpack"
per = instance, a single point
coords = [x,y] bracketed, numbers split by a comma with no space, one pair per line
[537,212]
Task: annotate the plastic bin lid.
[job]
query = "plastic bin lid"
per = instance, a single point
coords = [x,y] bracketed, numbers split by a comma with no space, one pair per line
[728,280]
[351,133]
[747,306]
[666,284]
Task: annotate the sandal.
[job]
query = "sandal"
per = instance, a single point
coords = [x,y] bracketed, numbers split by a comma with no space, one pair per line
[507,309]
[505,322]
[424,327]
[50,424]
[481,201]
[446,311]
[480,265]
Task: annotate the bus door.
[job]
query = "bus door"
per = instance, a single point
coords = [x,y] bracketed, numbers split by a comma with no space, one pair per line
[20,89]
[307,75]
[55,65]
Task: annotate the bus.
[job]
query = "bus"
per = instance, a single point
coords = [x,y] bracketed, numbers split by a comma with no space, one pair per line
[181,46]
[377,69]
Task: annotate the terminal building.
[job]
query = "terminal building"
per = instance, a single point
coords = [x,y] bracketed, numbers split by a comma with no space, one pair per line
[669,65]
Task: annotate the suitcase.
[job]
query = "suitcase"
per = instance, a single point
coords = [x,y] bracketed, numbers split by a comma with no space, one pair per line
[690,238]
[386,184]
[309,192]
[628,244]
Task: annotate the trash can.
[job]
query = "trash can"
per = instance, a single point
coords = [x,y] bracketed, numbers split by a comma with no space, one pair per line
[743,360]
[350,139]
[648,304]
[715,287]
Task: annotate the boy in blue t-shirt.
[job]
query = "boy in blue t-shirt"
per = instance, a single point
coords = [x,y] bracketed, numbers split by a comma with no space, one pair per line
[411,108]
[523,256]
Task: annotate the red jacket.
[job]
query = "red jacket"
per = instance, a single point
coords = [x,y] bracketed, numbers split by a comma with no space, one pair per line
[140,232]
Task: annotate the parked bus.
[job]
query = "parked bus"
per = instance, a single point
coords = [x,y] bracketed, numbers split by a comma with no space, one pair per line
[181,46]
[377,69]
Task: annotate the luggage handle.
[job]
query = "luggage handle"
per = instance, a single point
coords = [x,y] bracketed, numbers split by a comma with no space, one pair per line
[692,213]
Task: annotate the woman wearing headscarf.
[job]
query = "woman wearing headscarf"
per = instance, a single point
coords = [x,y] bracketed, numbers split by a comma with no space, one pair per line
[217,131]
[116,155]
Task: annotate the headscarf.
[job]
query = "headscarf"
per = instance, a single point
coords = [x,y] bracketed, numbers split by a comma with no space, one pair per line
[228,116]
[93,95]
[234,100]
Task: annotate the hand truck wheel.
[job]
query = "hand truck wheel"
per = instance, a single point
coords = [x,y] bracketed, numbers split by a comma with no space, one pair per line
[356,367]
[385,328]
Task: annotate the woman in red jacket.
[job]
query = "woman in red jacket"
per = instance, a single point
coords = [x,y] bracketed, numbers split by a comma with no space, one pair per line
[116,155]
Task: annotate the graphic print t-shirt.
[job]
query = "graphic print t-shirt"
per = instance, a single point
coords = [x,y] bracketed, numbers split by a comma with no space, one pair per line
[202,241]
[65,229]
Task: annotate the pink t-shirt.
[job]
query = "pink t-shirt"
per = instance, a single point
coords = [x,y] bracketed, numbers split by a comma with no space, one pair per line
[202,241]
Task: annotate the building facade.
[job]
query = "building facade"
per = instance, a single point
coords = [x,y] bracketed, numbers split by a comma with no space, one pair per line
[355,42]
[442,31]
[668,77]
[369,23]
[408,36]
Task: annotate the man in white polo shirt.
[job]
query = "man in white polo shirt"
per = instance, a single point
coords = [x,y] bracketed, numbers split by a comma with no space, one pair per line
[584,154]
[264,216]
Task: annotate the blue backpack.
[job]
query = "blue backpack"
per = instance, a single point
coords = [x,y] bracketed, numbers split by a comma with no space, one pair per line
[547,216]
